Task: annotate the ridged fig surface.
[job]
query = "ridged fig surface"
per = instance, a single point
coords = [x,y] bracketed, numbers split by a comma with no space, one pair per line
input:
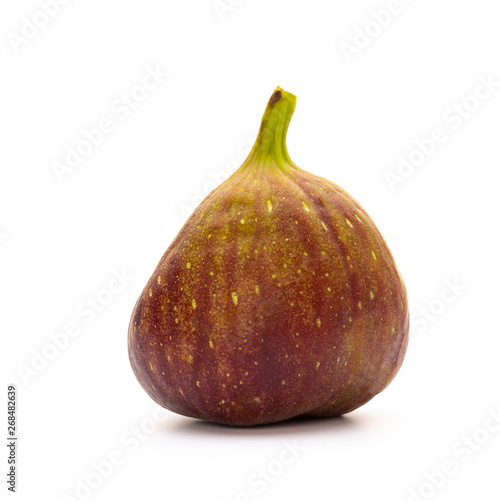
[279,297]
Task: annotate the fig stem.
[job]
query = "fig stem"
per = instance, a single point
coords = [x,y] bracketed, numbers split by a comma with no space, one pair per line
[270,145]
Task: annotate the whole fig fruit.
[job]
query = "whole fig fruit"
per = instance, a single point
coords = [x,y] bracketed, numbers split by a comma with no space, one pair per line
[279,297]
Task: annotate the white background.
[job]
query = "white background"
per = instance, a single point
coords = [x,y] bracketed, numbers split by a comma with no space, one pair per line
[118,210]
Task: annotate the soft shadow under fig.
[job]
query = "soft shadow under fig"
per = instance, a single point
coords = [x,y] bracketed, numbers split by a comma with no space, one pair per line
[301,425]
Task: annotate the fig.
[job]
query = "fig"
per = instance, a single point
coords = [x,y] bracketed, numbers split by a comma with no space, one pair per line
[278,298]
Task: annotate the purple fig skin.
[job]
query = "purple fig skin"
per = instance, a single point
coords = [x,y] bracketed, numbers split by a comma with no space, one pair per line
[279,297]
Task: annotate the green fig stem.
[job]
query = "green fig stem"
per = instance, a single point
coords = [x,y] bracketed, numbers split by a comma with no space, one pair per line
[270,145]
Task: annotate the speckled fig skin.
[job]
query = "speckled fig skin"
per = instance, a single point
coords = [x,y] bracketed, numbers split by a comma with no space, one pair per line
[279,297]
